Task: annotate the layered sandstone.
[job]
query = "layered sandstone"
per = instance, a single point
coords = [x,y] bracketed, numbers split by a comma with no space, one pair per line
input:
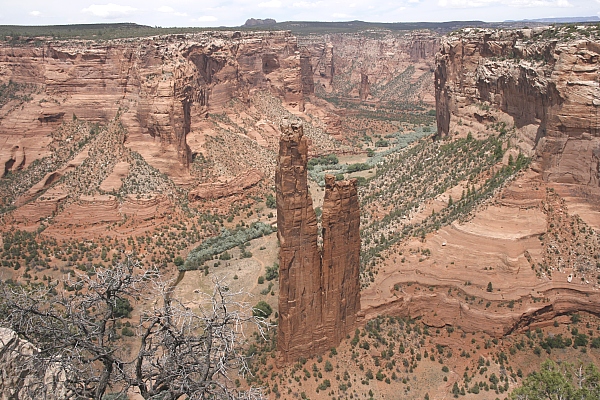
[163,87]
[228,187]
[300,328]
[160,103]
[388,66]
[542,82]
[341,252]
[319,292]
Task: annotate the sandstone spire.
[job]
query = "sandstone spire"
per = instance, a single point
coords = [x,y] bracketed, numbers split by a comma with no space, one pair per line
[340,258]
[319,292]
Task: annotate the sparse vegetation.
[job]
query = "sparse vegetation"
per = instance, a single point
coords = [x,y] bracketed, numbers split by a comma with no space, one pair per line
[228,239]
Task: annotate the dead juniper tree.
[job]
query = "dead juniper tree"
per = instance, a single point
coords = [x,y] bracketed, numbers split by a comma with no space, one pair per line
[173,349]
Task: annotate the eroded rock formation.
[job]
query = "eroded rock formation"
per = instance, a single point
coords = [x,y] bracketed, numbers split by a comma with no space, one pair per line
[319,292]
[226,188]
[340,259]
[18,380]
[163,87]
[390,67]
[543,82]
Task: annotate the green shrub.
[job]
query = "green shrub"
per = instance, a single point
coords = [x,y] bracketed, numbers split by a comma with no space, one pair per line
[357,167]
[178,261]
[262,309]
[228,239]
[328,366]
[330,159]
[123,308]
[272,272]
[126,331]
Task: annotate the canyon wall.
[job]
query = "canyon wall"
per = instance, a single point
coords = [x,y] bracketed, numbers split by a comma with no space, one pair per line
[319,292]
[164,87]
[543,82]
[377,66]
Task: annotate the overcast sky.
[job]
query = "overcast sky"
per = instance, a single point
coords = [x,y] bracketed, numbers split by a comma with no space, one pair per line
[168,13]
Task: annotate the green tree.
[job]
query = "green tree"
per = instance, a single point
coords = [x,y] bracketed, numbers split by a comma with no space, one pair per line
[178,261]
[272,272]
[270,202]
[262,309]
[557,382]
[490,288]
[328,366]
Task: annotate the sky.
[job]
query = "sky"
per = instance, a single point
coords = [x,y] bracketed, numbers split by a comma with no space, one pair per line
[207,13]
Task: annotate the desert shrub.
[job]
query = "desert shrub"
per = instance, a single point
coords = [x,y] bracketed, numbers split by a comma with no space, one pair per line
[262,309]
[227,240]
[270,201]
[272,272]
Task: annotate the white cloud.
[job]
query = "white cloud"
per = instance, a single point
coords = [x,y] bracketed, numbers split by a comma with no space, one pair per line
[109,10]
[170,10]
[306,4]
[413,1]
[35,13]
[206,18]
[464,3]
[510,3]
[539,3]
[340,15]
[270,4]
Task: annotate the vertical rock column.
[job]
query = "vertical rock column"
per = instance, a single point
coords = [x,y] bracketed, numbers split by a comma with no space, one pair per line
[340,262]
[300,293]
[319,293]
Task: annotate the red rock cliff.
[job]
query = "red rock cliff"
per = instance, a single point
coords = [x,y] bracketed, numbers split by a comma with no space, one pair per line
[390,67]
[319,293]
[164,86]
[542,82]
[341,252]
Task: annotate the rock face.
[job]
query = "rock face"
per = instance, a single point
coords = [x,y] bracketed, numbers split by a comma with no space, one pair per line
[223,189]
[163,88]
[17,380]
[340,262]
[543,82]
[319,293]
[388,67]
[259,22]
[300,328]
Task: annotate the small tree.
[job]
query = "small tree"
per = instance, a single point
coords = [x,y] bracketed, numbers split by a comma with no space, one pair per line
[563,381]
[178,261]
[262,309]
[490,288]
[270,201]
